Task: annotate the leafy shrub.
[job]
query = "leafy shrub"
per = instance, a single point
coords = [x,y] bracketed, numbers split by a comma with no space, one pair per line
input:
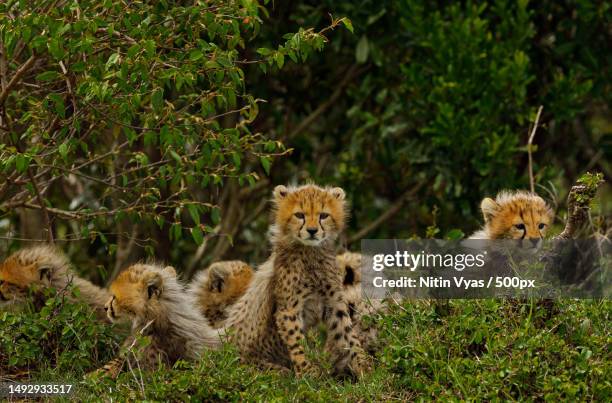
[63,335]
[488,349]
[439,97]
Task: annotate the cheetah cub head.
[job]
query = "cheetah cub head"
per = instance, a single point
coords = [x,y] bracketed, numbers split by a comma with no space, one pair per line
[38,267]
[137,292]
[519,215]
[308,214]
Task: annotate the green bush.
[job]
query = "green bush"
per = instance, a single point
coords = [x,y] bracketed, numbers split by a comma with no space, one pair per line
[439,97]
[510,350]
[63,337]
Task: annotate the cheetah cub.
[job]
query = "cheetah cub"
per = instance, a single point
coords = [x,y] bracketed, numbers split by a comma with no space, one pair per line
[515,215]
[359,305]
[349,264]
[267,323]
[43,267]
[153,300]
[218,287]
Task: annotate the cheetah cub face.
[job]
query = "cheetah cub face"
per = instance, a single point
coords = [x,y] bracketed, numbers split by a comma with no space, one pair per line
[136,293]
[517,215]
[308,214]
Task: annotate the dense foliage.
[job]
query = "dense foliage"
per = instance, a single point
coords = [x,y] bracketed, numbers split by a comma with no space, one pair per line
[142,128]
[121,121]
[433,101]
[60,336]
[481,350]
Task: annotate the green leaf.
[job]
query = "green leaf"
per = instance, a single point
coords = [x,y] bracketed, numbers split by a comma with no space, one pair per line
[280,60]
[197,235]
[194,213]
[236,159]
[195,55]
[175,155]
[363,48]
[265,163]
[58,104]
[215,215]
[63,150]
[455,234]
[348,24]
[48,76]
[157,99]
[22,162]
[112,60]
[176,231]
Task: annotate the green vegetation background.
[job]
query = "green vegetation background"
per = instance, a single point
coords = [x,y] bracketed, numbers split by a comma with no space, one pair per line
[160,129]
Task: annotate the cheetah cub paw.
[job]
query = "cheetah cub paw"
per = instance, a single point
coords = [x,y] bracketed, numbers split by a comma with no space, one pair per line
[309,370]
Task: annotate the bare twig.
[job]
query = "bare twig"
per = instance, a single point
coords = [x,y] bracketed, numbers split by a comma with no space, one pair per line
[16,77]
[391,211]
[350,74]
[3,66]
[530,150]
[41,202]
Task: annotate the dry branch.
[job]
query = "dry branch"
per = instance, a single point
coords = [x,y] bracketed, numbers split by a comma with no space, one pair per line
[350,74]
[16,77]
[391,211]
[530,148]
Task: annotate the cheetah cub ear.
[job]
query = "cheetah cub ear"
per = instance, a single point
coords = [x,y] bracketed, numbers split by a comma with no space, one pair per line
[44,273]
[489,208]
[170,271]
[338,193]
[154,285]
[217,275]
[280,192]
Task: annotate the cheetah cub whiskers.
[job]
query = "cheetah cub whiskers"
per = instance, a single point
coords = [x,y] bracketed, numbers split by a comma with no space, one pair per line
[268,321]
[515,215]
[152,299]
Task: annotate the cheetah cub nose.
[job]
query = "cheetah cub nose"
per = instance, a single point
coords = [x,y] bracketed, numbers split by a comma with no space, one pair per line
[312,231]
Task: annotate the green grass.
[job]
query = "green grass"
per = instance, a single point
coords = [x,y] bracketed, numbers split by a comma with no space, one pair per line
[457,350]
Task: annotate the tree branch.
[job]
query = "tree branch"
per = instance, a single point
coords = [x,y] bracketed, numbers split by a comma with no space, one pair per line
[530,150]
[16,77]
[391,211]
[348,76]
[42,206]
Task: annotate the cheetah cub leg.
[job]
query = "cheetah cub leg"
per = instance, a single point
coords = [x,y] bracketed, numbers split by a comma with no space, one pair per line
[342,342]
[290,327]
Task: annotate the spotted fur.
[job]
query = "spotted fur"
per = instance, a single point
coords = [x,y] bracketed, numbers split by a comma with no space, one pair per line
[218,287]
[267,323]
[43,267]
[153,300]
[515,215]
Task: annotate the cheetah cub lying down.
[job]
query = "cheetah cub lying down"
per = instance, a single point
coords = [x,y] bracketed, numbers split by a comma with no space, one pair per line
[267,323]
[159,309]
[44,267]
[515,215]
[218,287]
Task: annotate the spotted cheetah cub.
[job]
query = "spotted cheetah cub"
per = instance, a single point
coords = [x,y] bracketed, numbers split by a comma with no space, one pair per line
[515,215]
[153,300]
[267,323]
[349,265]
[359,305]
[218,287]
[43,267]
